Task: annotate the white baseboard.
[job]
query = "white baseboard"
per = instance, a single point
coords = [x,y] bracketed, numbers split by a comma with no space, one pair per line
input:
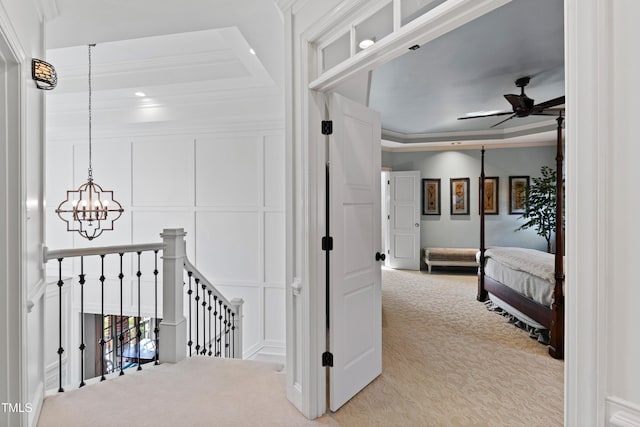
[620,413]
[269,353]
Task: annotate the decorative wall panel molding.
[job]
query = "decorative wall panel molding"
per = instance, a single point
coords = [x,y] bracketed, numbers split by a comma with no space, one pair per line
[225,189]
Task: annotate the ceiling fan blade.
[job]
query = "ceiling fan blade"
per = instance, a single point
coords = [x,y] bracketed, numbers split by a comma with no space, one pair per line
[508,118]
[550,103]
[503,113]
[545,113]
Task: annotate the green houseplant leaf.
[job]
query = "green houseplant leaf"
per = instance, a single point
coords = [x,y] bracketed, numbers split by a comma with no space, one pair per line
[540,208]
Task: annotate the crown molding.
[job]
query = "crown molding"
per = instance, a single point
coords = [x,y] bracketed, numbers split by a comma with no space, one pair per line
[481,135]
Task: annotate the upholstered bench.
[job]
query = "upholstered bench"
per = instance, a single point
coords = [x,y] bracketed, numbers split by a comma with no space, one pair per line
[450,257]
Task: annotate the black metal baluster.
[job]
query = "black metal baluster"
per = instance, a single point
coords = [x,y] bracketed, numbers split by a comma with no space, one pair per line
[102,342]
[138,334]
[215,326]
[156,329]
[226,332]
[210,342]
[220,334]
[204,320]
[121,336]
[114,342]
[82,346]
[233,335]
[197,315]
[60,349]
[190,343]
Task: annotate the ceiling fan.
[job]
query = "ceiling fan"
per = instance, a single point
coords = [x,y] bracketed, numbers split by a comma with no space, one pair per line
[523,106]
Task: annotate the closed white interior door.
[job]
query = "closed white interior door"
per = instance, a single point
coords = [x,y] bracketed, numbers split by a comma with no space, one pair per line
[355,305]
[404,220]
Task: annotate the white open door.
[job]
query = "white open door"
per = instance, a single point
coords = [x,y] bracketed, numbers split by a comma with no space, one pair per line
[355,300]
[404,220]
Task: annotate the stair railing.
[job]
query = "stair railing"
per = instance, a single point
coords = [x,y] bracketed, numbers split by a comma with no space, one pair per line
[223,338]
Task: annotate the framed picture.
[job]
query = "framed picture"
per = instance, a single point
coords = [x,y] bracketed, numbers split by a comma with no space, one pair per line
[431,196]
[518,194]
[459,196]
[491,201]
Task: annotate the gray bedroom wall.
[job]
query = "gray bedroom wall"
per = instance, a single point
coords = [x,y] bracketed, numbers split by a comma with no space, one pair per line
[446,230]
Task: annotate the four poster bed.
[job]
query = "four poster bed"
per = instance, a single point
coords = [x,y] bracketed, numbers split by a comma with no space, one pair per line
[527,283]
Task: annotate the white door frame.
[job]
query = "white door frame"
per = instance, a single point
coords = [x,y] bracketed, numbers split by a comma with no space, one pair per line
[587,53]
[13,362]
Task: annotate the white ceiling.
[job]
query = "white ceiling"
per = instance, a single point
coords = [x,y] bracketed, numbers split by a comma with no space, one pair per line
[191,58]
[81,22]
[195,80]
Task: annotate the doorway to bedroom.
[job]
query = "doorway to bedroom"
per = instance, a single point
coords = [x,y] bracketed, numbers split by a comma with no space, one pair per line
[449,152]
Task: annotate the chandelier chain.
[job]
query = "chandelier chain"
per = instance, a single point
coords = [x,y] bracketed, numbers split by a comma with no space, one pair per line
[90,166]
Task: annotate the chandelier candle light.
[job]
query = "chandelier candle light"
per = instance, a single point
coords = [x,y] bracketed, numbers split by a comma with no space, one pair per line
[89,210]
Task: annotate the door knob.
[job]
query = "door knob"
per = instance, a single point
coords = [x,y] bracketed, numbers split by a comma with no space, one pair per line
[380,257]
[417,224]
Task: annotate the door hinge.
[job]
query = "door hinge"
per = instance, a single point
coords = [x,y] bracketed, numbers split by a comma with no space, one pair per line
[327,359]
[388,182]
[327,127]
[327,243]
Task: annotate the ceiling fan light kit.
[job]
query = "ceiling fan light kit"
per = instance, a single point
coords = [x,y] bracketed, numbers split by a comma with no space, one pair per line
[522,105]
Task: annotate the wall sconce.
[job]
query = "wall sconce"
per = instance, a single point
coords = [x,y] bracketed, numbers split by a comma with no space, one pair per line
[44,74]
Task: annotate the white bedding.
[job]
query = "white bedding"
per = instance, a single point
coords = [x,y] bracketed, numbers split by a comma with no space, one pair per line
[527,271]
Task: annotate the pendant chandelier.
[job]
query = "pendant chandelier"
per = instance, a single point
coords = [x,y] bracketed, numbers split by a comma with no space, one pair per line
[89,210]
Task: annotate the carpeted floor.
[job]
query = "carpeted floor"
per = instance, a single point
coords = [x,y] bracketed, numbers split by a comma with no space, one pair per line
[447,361]
[197,392]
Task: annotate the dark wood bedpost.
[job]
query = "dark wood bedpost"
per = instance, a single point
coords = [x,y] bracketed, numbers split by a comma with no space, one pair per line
[556,345]
[482,292]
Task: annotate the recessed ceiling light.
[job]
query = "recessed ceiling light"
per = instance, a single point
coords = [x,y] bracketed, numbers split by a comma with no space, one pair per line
[140,94]
[366,43]
[252,52]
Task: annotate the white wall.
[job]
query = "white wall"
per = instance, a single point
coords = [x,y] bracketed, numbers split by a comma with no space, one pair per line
[448,230]
[21,213]
[225,189]
[623,353]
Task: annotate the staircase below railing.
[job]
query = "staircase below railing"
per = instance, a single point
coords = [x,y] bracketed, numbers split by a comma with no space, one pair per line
[216,321]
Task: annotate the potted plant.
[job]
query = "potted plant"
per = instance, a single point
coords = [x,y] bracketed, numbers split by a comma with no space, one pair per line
[540,207]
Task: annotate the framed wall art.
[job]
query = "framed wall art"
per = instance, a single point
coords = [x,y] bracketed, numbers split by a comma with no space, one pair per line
[491,193]
[459,196]
[518,194]
[431,196]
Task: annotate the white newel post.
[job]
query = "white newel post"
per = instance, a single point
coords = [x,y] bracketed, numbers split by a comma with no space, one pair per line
[173,327]
[236,305]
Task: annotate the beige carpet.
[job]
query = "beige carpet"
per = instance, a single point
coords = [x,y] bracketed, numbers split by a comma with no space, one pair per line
[197,392]
[447,361]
